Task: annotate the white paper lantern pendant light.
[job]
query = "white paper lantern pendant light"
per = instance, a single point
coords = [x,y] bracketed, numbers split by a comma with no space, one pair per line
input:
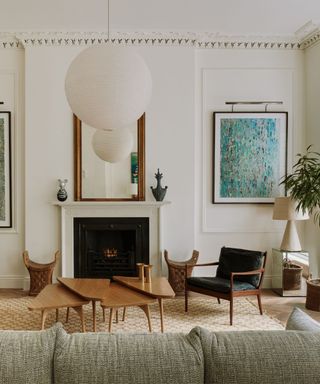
[112,146]
[108,86]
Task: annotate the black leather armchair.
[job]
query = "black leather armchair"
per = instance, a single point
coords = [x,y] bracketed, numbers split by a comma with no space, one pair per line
[239,273]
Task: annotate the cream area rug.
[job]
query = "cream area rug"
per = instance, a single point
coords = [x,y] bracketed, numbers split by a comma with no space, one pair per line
[203,311]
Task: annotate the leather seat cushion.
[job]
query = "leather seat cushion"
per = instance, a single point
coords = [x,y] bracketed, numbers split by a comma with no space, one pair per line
[218,284]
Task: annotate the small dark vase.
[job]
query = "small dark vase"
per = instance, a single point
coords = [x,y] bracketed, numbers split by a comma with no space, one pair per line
[159,192]
[62,194]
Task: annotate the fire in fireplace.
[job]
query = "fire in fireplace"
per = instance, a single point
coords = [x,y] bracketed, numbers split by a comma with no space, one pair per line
[104,247]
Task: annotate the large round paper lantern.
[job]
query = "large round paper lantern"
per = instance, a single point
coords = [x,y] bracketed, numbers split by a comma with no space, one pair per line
[113,146]
[108,86]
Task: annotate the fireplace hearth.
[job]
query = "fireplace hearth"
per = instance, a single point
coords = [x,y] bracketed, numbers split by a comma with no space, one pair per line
[108,246]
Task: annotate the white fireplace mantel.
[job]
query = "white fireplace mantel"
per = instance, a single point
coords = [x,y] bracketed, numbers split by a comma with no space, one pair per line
[150,209]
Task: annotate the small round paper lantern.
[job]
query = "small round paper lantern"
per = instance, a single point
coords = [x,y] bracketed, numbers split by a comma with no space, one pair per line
[108,86]
[112,146]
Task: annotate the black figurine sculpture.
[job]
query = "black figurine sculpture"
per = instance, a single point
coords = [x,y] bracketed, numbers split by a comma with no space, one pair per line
[62,194]
[159,192]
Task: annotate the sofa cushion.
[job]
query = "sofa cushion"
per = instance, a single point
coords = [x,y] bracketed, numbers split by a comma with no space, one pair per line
[218,284]
[27,356]
[239,260]
[128,358]
[300,321]
[262,357]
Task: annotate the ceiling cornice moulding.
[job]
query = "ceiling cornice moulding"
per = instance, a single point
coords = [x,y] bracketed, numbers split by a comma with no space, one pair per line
[9,41]
[183,39]
[311,39]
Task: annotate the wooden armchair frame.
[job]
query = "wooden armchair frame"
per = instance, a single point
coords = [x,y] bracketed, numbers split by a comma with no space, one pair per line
[228,295]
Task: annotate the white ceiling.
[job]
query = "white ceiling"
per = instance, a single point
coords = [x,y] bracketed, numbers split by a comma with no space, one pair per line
[223,17]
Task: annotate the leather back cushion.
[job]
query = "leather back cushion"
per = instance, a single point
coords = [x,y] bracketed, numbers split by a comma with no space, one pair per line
[239,260]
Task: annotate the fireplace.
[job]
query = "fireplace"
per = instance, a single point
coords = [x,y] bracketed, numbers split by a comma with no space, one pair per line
[108,246]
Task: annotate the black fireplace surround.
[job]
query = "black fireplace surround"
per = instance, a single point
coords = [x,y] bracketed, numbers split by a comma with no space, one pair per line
[109,246]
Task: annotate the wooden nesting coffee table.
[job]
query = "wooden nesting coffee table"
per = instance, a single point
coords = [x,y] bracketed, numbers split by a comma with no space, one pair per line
[120,296]
[55,296]
[159,288]
[126,292]
[89,289]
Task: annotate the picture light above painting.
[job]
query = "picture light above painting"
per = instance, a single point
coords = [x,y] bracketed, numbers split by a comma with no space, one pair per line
[249,156]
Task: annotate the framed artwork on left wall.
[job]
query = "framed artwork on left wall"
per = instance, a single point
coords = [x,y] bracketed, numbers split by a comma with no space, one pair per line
[250,156]
[5,171]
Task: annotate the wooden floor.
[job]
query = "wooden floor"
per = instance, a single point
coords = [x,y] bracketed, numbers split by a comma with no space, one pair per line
[280,307]
[275,305]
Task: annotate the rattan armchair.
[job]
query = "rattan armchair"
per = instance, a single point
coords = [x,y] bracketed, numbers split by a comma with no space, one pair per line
[40,274]
[176,271]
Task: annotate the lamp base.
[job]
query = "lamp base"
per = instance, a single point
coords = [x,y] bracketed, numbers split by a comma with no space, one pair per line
[290,241]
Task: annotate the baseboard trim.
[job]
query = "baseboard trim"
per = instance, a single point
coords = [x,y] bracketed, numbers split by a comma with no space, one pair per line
[267,282]
[15,282]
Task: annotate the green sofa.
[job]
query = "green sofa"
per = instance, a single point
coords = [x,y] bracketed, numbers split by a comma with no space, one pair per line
[53,356]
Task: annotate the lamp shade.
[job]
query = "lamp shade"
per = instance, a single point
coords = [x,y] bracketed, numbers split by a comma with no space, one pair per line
[112,146]
[108,86]
[286,209]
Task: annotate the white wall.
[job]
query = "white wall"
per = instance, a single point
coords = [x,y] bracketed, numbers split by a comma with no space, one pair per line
[12,269]
[312,67]
[188,85]
[231,75]
[170,120]
[49,143]
[48,147]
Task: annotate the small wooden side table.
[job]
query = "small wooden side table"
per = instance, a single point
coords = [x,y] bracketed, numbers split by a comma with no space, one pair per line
[177,273]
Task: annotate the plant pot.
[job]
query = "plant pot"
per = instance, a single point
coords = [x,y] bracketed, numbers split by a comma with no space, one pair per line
[313,295]
[291,278]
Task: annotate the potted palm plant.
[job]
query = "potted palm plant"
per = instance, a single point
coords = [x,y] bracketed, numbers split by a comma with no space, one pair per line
[303,185]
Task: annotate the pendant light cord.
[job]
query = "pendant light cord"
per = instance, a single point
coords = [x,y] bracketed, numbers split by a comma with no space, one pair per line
[108,20]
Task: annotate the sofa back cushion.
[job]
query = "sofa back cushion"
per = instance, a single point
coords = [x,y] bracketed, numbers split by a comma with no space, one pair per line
[128,358]
[26,357]
[240,260]
[301,321]
[262,357]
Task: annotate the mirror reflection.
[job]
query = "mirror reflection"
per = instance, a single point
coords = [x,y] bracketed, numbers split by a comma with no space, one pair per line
[97,179]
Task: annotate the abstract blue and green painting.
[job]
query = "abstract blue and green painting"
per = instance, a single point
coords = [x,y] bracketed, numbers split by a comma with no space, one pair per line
[249,157]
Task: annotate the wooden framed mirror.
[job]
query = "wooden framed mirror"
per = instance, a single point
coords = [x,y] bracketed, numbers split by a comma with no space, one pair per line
[98,180]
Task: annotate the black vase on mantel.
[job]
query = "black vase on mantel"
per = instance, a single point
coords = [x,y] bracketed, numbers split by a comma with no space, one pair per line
[159,192]
[62,194]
